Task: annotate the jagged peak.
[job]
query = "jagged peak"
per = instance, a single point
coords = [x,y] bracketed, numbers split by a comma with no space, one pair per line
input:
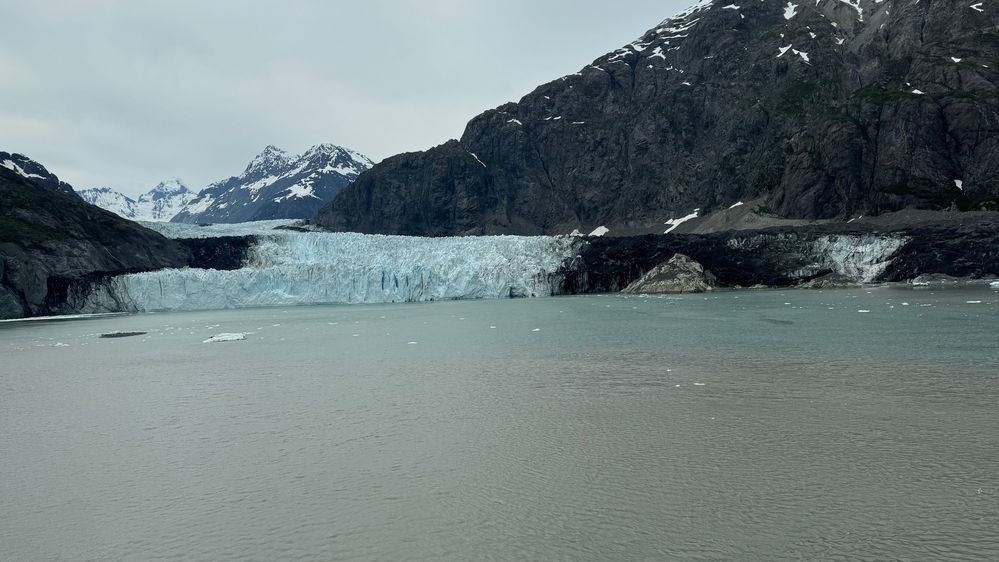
[329,152]
[269,158]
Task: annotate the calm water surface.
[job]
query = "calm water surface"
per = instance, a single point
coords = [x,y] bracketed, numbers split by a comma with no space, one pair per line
[750,426]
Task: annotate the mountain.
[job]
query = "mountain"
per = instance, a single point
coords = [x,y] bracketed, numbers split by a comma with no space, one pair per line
[164,201]
[278,186]
[110,200]
[812,110]
[35,172]
[159,204]
[53,244]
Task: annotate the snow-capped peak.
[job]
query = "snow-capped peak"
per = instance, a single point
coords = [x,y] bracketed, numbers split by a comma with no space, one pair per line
[276,185]
[172,185]
[171,188]
[268,160]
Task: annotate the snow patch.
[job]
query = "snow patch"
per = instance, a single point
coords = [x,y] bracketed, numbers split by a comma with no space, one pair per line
[790,11]
[674,223]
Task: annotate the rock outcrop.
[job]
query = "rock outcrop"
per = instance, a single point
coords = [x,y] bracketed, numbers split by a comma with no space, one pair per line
[678,275]
[819,110]
[831,281]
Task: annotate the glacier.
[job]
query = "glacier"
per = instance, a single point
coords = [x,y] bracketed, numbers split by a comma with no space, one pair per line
[287,267]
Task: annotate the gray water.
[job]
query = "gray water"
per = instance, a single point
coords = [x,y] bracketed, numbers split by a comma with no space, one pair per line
[745,425]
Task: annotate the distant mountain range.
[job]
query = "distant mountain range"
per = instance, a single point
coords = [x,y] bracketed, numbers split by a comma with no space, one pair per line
[160,204]
[811,110]
[275,185]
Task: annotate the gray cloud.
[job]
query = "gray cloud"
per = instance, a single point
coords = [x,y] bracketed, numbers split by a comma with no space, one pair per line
[126,93]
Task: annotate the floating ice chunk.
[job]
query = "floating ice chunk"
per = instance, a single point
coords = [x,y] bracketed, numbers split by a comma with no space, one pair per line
[994,284]
[730,7]
[840,41]
[974,302]
[698,384]
[739,204]
[977,7]
[864,311]
[575,232]
[599,231]
[918,92]
[60,344]
[959,184]
[411,343]
[790,11]
[955,59]
[515,121]
[226,337]
[784,50]
[536,330]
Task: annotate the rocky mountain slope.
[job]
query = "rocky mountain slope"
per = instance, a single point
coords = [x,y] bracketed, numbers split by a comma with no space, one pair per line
[161,203]
[27,168]
[822,110]
[276,185]
[53,243]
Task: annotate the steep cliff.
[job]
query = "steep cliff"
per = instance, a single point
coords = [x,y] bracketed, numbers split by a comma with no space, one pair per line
[819,110]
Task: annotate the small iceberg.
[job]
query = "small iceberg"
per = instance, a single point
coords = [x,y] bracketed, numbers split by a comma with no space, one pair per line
[225,337]
[994,284]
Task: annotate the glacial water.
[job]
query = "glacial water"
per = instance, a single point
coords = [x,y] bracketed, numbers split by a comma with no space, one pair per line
[773,425]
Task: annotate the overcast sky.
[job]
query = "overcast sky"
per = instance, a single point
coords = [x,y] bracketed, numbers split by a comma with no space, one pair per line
[126,93]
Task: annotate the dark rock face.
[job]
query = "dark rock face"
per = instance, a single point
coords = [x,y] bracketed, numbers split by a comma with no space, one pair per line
[277,186]
[824,110]
[54,246]
[789,257]
[34,172]
[224,253]
[678,275]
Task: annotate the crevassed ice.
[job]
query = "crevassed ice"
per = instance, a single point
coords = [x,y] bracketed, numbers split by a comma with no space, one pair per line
[288,268]
[861,257]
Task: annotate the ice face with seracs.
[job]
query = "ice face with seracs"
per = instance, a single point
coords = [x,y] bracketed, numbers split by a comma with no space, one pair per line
[288,268]
[862,257]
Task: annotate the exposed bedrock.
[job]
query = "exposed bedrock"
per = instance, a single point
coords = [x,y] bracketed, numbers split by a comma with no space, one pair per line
[787,257]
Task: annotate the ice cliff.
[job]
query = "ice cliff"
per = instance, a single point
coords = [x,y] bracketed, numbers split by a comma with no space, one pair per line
[289,267]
